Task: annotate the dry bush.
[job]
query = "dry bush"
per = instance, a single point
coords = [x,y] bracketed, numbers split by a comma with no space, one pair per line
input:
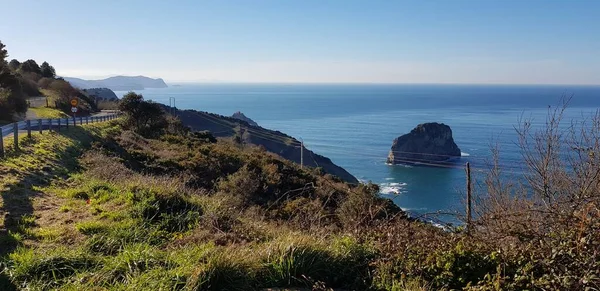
[551,215]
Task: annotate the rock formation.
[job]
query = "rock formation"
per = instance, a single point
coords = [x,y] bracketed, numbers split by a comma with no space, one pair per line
[426,143]
[239,115]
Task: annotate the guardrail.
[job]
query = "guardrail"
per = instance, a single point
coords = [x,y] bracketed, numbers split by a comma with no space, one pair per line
[47,124]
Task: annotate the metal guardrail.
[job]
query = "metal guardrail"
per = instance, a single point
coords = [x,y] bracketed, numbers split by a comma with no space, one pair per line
[47,124]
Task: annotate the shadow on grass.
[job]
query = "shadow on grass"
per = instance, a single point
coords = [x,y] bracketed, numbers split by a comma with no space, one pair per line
[19,196]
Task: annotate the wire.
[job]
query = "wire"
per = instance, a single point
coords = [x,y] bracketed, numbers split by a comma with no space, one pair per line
[264,135]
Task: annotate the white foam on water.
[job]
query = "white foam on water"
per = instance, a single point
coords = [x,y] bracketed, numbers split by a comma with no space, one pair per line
[464,154]
[389,179]
[392,188]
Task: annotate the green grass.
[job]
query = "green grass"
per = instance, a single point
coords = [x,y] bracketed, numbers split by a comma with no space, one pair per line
[44,112]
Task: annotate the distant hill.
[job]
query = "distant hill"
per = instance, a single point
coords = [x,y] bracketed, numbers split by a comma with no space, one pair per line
[119,83]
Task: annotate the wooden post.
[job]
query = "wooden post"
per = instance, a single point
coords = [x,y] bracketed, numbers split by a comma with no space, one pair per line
[468,169]
[40,125]
[87,120]
[50,124]
[47,105]
[29,128]
[1,143]
[58,124]
[16,135]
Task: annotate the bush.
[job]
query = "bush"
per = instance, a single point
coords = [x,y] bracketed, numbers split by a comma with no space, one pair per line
[144,117]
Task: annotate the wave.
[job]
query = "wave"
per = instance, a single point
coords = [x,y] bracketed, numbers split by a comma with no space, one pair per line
[392,188]
[389,179]
[464,154]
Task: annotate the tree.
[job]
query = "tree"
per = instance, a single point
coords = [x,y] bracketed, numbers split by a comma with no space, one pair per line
[3,53]
[30,66]
[14,64]
[47,70]
[144,117]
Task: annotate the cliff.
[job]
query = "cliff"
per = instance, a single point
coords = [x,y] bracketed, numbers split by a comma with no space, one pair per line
[426,143]
[273,141]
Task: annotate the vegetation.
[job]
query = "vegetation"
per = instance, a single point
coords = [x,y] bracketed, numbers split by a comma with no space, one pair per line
[43,112]
[144,117]
[19,81]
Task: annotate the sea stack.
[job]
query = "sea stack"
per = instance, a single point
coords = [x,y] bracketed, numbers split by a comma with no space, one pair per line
[240,116]
[426,143]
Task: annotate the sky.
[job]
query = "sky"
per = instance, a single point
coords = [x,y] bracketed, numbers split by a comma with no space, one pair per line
[306,41]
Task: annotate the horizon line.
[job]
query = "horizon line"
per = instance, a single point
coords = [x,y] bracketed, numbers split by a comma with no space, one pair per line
[375,83]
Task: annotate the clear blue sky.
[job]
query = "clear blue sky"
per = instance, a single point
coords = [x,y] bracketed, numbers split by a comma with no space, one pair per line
[510,41]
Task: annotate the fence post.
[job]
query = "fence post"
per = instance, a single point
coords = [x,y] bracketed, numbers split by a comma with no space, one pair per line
[87,120]
[59,124]
[16,135]
[468,170]
[40,125]
[29,128]
[1,143]
[50,124]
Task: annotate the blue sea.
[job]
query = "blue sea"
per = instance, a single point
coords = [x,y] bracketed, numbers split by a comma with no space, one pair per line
[355,125]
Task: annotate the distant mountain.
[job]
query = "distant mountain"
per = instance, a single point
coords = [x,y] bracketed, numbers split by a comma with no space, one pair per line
[118,83]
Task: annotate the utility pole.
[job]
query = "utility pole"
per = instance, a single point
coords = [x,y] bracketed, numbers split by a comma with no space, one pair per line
[171,107]
[301,153]
[468,170]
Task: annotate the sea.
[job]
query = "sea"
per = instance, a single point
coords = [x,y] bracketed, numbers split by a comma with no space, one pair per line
[355,125]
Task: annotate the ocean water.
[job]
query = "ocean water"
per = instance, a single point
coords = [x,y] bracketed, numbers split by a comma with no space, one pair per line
[355,125]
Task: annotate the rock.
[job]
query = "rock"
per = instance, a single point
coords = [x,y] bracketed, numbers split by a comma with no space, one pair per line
[240,116]
[426,143]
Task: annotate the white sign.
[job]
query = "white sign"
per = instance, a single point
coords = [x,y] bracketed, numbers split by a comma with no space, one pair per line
[73,109]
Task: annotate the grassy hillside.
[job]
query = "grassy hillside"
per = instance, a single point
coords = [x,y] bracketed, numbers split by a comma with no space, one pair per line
[101,208]
[43,112]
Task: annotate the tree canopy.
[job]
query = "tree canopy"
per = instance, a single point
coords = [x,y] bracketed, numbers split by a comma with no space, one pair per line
[30,66]
[145,117]
[47,70]
[14,64]
[3,53]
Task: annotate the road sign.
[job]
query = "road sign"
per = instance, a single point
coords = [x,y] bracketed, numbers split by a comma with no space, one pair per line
[74,109]
[74,102]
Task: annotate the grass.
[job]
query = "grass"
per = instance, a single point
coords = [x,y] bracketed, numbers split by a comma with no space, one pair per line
[52,95]
[44,112]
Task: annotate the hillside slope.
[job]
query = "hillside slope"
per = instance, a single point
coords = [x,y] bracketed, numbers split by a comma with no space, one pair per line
[273,141]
